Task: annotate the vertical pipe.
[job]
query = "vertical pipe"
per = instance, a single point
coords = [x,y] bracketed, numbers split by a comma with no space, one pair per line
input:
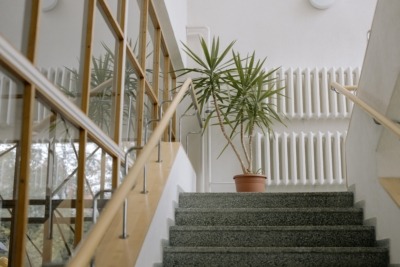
[282,98]
[324,93]
[311,158]
[343,157]
[341,98]
[337,159]
[333,96]
[293,158]
[299,96]
[302,158]
[328,156]
[349,81]
[267,158]
[257,152]
[307,94]
[319,162]
[316,93]
[124,234]
[284,159]
[273,100]
[290,93]
[276,156]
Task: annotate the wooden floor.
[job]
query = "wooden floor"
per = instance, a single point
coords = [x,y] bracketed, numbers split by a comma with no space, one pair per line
[114,251]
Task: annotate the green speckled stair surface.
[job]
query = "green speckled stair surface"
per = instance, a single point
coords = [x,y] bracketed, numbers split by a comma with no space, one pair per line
[271,229]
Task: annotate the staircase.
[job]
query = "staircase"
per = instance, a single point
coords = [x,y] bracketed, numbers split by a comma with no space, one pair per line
[271,229]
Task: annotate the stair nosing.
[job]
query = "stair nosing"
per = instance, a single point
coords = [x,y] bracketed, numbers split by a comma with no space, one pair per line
[272,228]
[346,193]
[375,249]
[308,209]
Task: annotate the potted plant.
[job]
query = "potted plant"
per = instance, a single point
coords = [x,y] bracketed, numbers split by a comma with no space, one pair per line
[238,90]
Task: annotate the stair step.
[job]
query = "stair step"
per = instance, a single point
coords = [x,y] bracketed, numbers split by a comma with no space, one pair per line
[266,200]
[272,236]
[271,229]
[277,256]
[269,216]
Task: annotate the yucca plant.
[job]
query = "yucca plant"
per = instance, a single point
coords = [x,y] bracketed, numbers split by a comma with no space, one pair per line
[239,89]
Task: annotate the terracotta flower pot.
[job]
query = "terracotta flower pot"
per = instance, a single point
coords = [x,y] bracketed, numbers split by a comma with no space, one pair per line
[250,182]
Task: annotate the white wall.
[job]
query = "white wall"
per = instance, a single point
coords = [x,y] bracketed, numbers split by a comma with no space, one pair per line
[11,13]
[291,33]
[368,149]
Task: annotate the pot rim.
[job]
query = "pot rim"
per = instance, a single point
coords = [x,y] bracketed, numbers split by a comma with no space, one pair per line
[250,175]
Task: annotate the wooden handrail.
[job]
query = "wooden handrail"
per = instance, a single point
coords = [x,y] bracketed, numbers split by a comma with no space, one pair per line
[86,249]
[382,119]
[351,87]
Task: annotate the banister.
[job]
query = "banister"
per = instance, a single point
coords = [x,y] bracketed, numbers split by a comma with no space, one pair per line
[376,115]
[87,247]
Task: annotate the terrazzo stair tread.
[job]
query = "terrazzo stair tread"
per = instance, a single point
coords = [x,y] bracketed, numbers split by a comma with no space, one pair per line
[275,256]
[265,200]
[269,216]
[272,236]
[271,229]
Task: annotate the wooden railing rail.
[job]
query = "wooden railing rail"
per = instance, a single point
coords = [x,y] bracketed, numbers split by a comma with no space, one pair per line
[87,247]
[376,115]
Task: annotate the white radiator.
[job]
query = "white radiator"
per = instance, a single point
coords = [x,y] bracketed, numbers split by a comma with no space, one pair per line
[310,151]
[307,93]
[302,158]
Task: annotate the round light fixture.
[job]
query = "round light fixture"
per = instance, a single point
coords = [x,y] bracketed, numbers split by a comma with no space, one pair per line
[48,5]
[322,4]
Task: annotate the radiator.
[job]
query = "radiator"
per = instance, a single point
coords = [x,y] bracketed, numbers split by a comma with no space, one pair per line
[307,93]
[301,158]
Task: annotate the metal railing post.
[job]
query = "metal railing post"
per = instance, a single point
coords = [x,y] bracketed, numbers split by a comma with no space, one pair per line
[159,141]
[187,139]
[180,123]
